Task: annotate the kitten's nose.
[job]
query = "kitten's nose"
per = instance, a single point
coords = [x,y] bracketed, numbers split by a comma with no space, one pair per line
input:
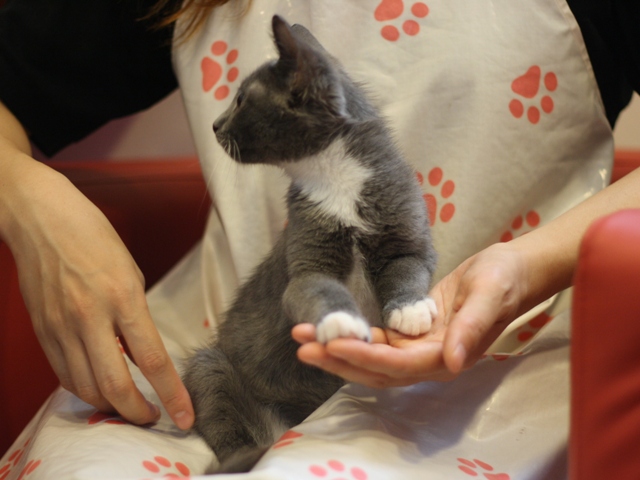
[216,127]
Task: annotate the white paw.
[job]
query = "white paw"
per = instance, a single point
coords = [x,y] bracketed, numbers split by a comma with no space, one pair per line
[414,319]
[342,325]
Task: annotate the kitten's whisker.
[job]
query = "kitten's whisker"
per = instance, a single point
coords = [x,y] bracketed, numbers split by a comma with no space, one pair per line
[236,153]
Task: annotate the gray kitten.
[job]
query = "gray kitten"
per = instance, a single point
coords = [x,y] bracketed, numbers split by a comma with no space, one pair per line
[356,251]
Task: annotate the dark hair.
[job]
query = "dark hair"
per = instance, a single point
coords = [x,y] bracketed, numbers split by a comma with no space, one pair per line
[194,11]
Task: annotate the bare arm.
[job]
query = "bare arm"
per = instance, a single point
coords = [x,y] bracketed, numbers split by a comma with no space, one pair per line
[476,301]
[82,288]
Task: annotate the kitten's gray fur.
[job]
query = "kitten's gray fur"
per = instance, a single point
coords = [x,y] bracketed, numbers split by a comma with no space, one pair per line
[357,241]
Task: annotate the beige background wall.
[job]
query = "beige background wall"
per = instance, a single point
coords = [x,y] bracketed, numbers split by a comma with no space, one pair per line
[627,131]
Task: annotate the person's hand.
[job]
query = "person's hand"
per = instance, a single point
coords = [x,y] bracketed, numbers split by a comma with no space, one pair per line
[475,304]
[83,290]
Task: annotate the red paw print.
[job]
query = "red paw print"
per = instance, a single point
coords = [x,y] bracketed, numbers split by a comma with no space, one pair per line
[521,225]
[14,458]
[391,10]
[99,417]
[287,439]
[161,463]
[335,467]
[448,209]
[498,357]
[475,468]
[528,87]
[529,329]
[212,70]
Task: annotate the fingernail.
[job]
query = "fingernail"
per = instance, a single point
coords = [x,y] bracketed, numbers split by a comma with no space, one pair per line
[183,420]
[154,409]
[459,357]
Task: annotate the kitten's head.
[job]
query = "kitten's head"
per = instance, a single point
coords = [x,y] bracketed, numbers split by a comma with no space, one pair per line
[289,108]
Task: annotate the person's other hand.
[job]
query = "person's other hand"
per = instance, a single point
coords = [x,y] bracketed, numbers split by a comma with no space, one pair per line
[475,304]
[83,290]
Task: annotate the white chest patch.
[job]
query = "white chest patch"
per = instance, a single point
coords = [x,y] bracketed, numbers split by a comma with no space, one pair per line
[333,180]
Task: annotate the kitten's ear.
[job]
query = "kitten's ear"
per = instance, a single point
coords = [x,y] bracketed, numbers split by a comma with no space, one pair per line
[286,44]
[311,68]
[305,35]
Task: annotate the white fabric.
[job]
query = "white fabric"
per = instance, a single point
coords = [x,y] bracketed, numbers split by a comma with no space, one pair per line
[461,83]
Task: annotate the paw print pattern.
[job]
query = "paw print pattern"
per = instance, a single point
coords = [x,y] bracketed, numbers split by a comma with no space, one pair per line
[99,417]
[521,225]
[524,333]
[14,459]
[212,69]
[287,439]
[529,329]
[527,86]
[159,464]
[477,468]
[393,10]
[446,190]
[335,467]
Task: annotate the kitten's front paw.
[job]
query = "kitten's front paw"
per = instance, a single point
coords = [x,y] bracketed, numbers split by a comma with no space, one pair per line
[342,325]
[414,319]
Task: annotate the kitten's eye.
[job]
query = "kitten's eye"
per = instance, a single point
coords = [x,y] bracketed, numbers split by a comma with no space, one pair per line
[239,99]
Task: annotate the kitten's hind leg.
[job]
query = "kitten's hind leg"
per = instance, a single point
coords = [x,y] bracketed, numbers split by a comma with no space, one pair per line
[402,288]
[233,423]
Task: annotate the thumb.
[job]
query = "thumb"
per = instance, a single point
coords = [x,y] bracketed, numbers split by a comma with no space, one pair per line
[471,330]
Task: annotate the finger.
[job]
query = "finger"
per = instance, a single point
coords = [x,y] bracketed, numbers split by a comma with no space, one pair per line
[304,333]
[423,360]
[468,333]
[315,354]
[55,356]
[114,379]
[379,335]
[150,355]
[83,381]
[54,351]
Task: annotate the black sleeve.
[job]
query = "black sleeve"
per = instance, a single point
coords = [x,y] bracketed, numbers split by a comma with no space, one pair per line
[611,31]
[68,66]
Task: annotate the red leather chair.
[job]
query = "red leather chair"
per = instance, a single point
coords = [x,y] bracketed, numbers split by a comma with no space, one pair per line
[605,352]
[158,208]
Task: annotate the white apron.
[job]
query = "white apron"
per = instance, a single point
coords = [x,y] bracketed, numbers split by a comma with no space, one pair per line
[495,104]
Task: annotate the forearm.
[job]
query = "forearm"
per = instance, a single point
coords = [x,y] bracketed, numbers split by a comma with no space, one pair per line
[551,252]
[15,153]
[12,134]
[22,179]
